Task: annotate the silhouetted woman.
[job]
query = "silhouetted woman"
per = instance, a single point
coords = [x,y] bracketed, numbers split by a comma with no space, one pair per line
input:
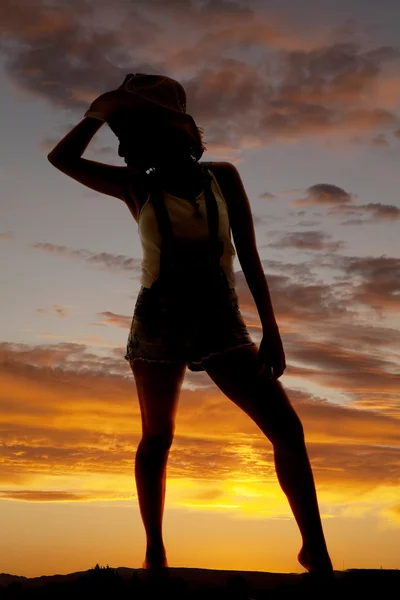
[187,313]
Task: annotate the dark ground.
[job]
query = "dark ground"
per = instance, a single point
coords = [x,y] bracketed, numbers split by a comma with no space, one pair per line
[187,583]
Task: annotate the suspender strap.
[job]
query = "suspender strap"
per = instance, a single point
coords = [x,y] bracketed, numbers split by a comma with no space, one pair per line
[164,223]
[163,220]
[212,212]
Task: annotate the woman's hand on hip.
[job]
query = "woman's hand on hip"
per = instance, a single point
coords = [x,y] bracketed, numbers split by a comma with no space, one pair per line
[271,356]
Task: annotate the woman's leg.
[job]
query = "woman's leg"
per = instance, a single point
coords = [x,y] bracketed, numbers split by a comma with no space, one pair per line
[266,403]
[158,387]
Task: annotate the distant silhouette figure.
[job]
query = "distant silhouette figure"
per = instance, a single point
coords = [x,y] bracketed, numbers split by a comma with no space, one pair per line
[187,312]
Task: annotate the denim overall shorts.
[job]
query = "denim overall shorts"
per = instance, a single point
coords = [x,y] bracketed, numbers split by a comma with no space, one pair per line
[192,317]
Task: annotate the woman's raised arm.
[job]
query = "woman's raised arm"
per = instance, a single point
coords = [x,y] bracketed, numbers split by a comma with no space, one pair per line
[66,156]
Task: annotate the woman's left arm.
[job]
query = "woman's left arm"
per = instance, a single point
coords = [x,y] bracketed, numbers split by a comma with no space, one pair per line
[271,354]
[241,222]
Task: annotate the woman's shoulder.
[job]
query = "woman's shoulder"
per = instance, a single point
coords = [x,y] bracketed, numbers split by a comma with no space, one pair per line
[227,177]
[218,167]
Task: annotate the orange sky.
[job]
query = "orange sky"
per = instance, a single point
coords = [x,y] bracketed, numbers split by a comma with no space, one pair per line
[67,475]
[306,104]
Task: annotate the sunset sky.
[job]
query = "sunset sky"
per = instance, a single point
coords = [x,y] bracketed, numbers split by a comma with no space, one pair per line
[304,98]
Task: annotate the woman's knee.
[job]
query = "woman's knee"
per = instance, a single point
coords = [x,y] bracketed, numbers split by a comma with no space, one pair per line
[288,434]
[157,442]
[277,418]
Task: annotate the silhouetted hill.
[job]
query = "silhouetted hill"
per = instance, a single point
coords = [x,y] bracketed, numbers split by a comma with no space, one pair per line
[6,578]
[123,582]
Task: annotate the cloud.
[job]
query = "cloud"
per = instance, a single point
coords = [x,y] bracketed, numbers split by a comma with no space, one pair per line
[355,465]
[111,318]
[358,371]
[33,21]
[324,194]
[62,416]
[41,496]
[7,235]
[70,54]
[294,302]
[381,211]
[307,240]
[102,259]
[374,210]
[380,280]
[267,195]
[340,202]
[59,311]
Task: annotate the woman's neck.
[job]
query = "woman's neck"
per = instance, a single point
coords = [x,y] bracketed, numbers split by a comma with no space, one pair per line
[184,177]
[178,171]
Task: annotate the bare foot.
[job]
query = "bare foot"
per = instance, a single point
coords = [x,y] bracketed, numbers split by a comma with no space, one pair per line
[317,563]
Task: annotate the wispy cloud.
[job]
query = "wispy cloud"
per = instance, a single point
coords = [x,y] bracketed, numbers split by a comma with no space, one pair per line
[307,240]
[376,280]
[381,211]
[267,196]
[59,311]
[101,259]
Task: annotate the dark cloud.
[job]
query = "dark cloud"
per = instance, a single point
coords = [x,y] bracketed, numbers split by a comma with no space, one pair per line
[70,54]
[357,370]
[365,337]
[307,240]
[355,465]
[317,91]
[325,194]
[369,281]
[297,302]
[341,202]
[374,210]
[60,55]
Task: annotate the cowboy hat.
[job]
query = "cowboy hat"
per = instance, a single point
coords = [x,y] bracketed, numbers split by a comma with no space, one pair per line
[142,96]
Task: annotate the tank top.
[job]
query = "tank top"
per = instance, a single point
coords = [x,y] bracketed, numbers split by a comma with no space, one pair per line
[186,227]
